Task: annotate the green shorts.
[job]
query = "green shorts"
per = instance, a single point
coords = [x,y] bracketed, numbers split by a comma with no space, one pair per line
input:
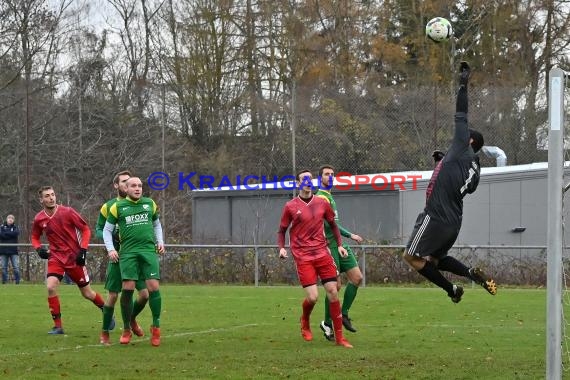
[344,264]
[139,265]
[114,282]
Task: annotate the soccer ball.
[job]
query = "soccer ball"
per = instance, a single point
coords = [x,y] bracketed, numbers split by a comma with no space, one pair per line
[439,29]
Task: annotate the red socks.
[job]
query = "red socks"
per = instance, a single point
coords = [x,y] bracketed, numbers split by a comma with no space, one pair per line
[98,301]
[336,317]
[54,309]
[307,309]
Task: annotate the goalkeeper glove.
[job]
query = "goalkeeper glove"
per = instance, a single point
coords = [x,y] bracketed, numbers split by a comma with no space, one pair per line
[464,72]
[437,155]
[81,256]
[42,253]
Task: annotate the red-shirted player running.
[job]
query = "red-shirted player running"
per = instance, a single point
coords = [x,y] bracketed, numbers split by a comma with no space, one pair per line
[306,214]
[68,237]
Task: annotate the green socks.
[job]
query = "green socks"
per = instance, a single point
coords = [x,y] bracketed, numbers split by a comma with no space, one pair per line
[107,316]
[138,307]
[127,307]
[155,304]
[349,296]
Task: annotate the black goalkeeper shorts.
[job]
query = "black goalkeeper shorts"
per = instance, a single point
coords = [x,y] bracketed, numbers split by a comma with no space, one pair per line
[431,238]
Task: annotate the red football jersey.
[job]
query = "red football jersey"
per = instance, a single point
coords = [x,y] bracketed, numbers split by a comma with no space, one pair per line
[66,232]
[307,235]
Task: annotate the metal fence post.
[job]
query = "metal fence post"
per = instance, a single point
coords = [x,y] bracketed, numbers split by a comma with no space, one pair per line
[256,266]
[363,266]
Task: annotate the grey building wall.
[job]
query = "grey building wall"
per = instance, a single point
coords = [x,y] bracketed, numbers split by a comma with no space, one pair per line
[507,197]
[237,217]
[252,217]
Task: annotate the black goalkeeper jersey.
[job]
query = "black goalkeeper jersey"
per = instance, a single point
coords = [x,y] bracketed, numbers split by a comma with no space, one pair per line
[453,177]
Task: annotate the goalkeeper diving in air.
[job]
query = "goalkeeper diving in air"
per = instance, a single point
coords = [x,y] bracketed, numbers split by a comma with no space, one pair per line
[438,225]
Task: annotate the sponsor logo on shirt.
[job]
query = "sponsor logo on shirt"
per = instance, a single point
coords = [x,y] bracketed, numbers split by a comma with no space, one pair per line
[137,218]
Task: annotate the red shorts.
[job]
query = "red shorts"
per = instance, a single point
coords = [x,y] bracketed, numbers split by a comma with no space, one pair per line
[323,267]
[77,273]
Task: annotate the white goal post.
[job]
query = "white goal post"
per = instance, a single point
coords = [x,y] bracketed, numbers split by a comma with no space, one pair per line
[556,81]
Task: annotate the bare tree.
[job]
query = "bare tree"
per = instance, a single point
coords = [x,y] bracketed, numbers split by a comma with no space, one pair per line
[32,42]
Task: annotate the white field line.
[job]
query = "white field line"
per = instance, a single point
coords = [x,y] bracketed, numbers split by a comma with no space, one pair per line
[135,340]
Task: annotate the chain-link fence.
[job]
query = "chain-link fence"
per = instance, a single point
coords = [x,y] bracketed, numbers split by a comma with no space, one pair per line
[391,129]
[251,265]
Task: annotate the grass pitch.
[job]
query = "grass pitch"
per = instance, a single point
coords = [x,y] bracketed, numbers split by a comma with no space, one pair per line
[233,332]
